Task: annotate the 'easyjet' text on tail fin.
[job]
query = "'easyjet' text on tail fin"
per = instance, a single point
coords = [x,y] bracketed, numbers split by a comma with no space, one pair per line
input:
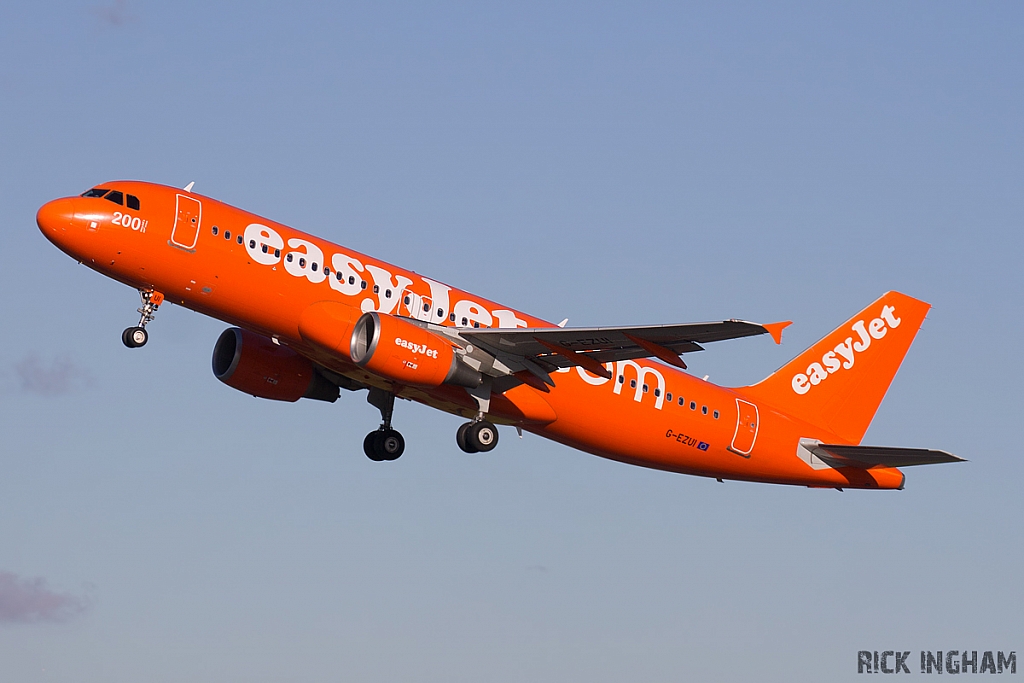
[839,382]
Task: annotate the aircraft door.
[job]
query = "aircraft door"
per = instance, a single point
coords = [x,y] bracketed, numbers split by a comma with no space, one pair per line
[746,428]
[188,217]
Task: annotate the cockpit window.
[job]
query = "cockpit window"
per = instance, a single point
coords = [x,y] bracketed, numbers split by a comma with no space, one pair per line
[95,192]
[133,202]
[116,197]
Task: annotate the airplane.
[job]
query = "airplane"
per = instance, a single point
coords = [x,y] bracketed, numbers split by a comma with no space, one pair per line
[311,318]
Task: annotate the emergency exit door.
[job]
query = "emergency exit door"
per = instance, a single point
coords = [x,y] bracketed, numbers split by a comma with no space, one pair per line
[189,215]
[746,428]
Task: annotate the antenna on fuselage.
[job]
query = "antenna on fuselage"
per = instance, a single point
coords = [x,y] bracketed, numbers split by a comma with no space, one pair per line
[188,188]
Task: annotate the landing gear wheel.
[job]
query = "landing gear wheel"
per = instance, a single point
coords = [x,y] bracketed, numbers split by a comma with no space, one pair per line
[479,436]
[460,438]
[384,444]
[390,444]
[134,337]
[368,448]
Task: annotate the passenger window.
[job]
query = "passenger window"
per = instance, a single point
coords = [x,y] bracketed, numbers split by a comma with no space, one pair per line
[452,317]
[351,279]
[116,197]
[657,392]
[376,289]
[133,202]
[716,414]
[215,230]
[406,301]
[668,396]
[302,263]
[95,192]
[266,249]
[239,239]
[476,324]
[277,253]
[227,234]
[622,378]
[465,321]
[314,266]
[387,293]
[339,276]
[252,244]
[632,384]
[440,313]
[682,401]
[289,258]
[362,284]
[693,405]
[704,409]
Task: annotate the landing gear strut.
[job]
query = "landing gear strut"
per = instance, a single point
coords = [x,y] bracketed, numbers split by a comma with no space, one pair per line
[134,337]
[385,443]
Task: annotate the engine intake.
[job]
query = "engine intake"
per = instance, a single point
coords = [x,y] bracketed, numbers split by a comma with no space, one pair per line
[256,365]
[407,353]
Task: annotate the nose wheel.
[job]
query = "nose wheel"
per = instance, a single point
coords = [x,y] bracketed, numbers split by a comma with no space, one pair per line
[479,436]
[134,337]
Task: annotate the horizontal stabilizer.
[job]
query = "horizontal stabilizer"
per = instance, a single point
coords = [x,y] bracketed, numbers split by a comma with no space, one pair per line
[866,457]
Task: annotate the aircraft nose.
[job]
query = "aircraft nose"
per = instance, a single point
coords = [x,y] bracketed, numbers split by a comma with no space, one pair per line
[56,216]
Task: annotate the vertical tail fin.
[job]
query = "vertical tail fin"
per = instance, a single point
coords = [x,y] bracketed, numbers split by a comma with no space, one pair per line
[839,382]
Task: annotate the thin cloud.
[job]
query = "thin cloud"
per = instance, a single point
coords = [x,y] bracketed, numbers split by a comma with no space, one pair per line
[28,601]
[61,376]
[116,14]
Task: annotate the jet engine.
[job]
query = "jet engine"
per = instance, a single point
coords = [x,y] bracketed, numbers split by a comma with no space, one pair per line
[399,350]
[256,365]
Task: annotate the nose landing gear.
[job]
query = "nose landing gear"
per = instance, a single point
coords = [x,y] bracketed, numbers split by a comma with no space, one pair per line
[385,443]
[134,337]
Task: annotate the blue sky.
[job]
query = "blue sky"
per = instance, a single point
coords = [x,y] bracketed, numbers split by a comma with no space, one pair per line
[614,164]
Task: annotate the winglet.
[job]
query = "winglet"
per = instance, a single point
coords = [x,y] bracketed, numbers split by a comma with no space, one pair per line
[775,329]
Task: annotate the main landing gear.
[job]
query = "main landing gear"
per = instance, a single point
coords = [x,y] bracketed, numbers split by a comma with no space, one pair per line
[478,436]
[134,337]
[385,443]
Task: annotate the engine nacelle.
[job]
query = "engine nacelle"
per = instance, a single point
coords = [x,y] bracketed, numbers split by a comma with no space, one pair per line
[397,349]
[256,365]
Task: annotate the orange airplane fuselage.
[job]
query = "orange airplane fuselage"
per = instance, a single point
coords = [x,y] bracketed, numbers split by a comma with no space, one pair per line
[299,294]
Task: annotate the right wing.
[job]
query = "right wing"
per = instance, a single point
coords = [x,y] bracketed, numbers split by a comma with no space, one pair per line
[544,350]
